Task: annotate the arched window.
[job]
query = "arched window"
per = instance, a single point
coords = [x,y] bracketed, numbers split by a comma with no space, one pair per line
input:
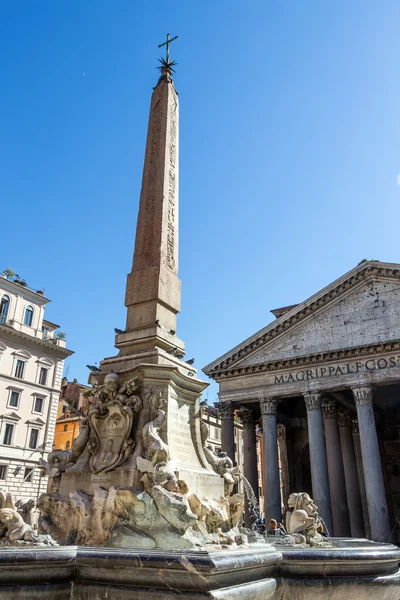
[4,306]
[28,316]
[67,445]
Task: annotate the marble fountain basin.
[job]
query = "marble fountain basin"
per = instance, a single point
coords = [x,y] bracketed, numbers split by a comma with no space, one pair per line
[354,569]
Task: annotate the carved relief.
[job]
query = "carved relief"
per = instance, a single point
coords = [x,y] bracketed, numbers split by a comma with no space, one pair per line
[106,432]
[281,431]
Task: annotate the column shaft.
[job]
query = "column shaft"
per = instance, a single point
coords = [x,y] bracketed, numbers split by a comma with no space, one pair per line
[284,463]
[337,484]
[227,428]
[272,492]
[360,472]
[250,458]
[319,468]
[351,475]
[374,484]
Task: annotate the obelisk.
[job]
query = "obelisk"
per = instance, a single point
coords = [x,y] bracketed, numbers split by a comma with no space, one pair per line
[153,289]
[149,349]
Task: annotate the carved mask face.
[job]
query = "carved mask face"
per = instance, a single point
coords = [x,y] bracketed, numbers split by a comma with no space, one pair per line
[111,382]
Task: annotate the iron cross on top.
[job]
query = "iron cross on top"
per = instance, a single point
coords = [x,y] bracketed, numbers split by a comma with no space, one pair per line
[167,43]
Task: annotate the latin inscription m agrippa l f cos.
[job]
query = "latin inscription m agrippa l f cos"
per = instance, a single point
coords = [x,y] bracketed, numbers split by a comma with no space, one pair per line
[372,364]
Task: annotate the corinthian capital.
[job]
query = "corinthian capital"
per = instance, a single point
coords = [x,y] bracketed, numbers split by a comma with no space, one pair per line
[329,409]
[246,415]
[344,418]
[269,406]
[362,395]
[312,400]
[225,409]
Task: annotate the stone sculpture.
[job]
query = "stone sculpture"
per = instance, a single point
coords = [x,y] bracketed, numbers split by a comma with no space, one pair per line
[14,530]
[28,512]
[106,432]
[123,430]
[55,464]
[303,521]
[221,463]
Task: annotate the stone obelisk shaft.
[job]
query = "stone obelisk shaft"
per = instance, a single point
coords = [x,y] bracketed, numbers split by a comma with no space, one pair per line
[153,288]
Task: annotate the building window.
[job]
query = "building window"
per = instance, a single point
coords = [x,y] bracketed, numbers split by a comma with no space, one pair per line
[3,471]
[33,438]
[67,445]
[43,376]
[45,331]
[28,317]
[64,409]
[13,400]
[65,427]
[8,434]
[19,369]
[38,405]
[28,475]
[4,306]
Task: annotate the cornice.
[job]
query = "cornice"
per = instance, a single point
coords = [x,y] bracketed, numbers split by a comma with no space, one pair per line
[51,348]
[300,313]
[311,360]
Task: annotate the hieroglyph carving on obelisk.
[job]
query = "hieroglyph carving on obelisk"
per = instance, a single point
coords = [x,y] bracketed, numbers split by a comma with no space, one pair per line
[153,288]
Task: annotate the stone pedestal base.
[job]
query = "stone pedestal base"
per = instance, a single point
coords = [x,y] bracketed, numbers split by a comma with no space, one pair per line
[364,571]
[88,482]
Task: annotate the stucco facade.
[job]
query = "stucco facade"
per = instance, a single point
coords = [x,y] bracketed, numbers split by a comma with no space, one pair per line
[31,367]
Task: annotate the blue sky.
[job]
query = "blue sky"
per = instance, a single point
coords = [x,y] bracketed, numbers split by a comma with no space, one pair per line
[290,155]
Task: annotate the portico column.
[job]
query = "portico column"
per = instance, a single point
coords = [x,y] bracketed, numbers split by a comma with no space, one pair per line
[360,471]
[250,458]
[351,475]
[272,492]
[283,460]
[227,428]
[373,476]
[337,484]
[319,468]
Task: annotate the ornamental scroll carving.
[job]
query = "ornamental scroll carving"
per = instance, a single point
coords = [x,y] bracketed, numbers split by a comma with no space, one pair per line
[269,406]
[363,396]
[225,409]
[329,409]
[312,401]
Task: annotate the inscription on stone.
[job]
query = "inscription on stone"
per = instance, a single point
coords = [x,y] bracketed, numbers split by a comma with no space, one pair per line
[179,433]
[371,364]
[172,187]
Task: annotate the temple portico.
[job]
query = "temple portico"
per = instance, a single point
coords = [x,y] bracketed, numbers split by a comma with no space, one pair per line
[336,400]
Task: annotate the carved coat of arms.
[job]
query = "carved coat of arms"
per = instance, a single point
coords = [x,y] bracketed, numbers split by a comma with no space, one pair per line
[112,430]
[107,431]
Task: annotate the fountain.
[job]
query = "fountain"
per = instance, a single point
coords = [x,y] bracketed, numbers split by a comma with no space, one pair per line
[142,506]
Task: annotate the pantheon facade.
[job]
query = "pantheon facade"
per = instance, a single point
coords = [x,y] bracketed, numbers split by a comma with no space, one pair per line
[323,381]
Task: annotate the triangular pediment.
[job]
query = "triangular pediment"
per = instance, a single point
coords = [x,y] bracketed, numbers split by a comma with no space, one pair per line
[360,308]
